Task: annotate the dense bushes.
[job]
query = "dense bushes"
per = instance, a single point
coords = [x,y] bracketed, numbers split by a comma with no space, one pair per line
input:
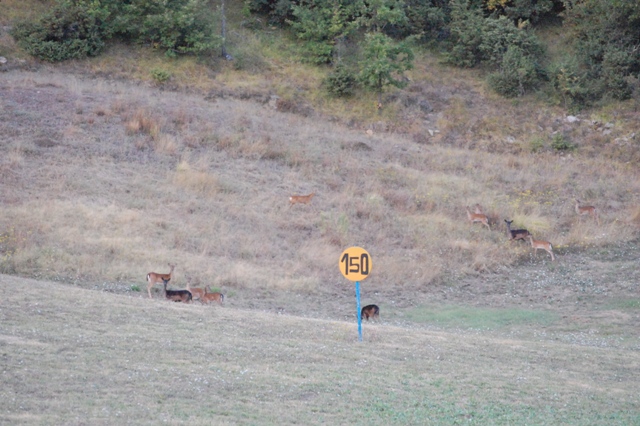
[601,61]
[71,30]
[80,28]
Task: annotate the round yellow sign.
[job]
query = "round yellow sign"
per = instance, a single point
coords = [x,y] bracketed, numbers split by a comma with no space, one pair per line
[355,263]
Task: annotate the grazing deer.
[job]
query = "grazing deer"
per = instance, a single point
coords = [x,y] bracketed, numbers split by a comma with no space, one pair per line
[544,245]
[154,277]
[197,293]
[516,234]
[177,295]
[209,297]
[302,199]
[478,217]
[587,210]
[370,311]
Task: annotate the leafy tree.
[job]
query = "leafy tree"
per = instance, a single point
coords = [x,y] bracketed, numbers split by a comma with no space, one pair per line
[607,36]
[425,18]
[384,62]
[320,23]
[467,30]
[379,15]
[500,34]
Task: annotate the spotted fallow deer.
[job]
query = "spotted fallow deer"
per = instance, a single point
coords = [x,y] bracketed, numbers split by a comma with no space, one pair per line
[154,277]
[478,217]
[301,199]
[544,245]
[587,210]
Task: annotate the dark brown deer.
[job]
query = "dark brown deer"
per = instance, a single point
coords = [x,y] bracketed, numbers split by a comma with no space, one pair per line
[516,234]
[177,295]
[370,311]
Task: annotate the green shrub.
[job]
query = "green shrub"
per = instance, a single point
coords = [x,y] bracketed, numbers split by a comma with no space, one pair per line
[160,75]
[71,30]
[516,76]
[537,144]
[571,84]
[341,82]
[560,143]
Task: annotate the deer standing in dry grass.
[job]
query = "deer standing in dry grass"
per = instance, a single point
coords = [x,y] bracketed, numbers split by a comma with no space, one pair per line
[154,277]
[478,217]
[209,297]
[301,199]
[587,210]
[540,244]
[177,295]
[370,311]
[516,234]
[197,293]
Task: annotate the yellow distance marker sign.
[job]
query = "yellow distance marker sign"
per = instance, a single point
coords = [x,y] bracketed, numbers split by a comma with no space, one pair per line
[355,264]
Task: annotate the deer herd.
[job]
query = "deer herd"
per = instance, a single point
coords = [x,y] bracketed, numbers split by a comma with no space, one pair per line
[206,296]
[524,235]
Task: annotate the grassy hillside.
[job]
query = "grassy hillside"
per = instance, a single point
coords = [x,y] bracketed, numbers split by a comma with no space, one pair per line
[76,356]
[107,174]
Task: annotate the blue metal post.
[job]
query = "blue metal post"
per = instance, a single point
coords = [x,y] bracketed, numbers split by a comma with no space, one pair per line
[358,310]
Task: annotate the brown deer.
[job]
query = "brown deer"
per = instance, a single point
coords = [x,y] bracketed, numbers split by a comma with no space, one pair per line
[370,311]
[197,293]
[478,217]
[587,210]
[516,234]
[177,295]
[209,297]
[301,199]
[154,277]
[544,245]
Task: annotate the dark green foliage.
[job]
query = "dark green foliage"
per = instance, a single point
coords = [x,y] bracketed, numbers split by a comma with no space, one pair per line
[561,143]
[177,26]
[278,12]
[320,23]
[517,74]
[426,18]
[341,82]
[500,34]
[571,84]
[73,29]
[530,10]
[80,28]
[384,62]
[606,34]
[467,31]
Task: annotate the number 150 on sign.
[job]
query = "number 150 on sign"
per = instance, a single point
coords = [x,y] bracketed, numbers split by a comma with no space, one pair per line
[355,264]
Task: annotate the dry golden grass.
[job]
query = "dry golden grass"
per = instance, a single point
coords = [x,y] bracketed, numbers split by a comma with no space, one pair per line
[206,185]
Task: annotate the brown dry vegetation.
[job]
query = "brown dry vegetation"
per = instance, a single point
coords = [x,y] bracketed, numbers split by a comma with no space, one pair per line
[105,176]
